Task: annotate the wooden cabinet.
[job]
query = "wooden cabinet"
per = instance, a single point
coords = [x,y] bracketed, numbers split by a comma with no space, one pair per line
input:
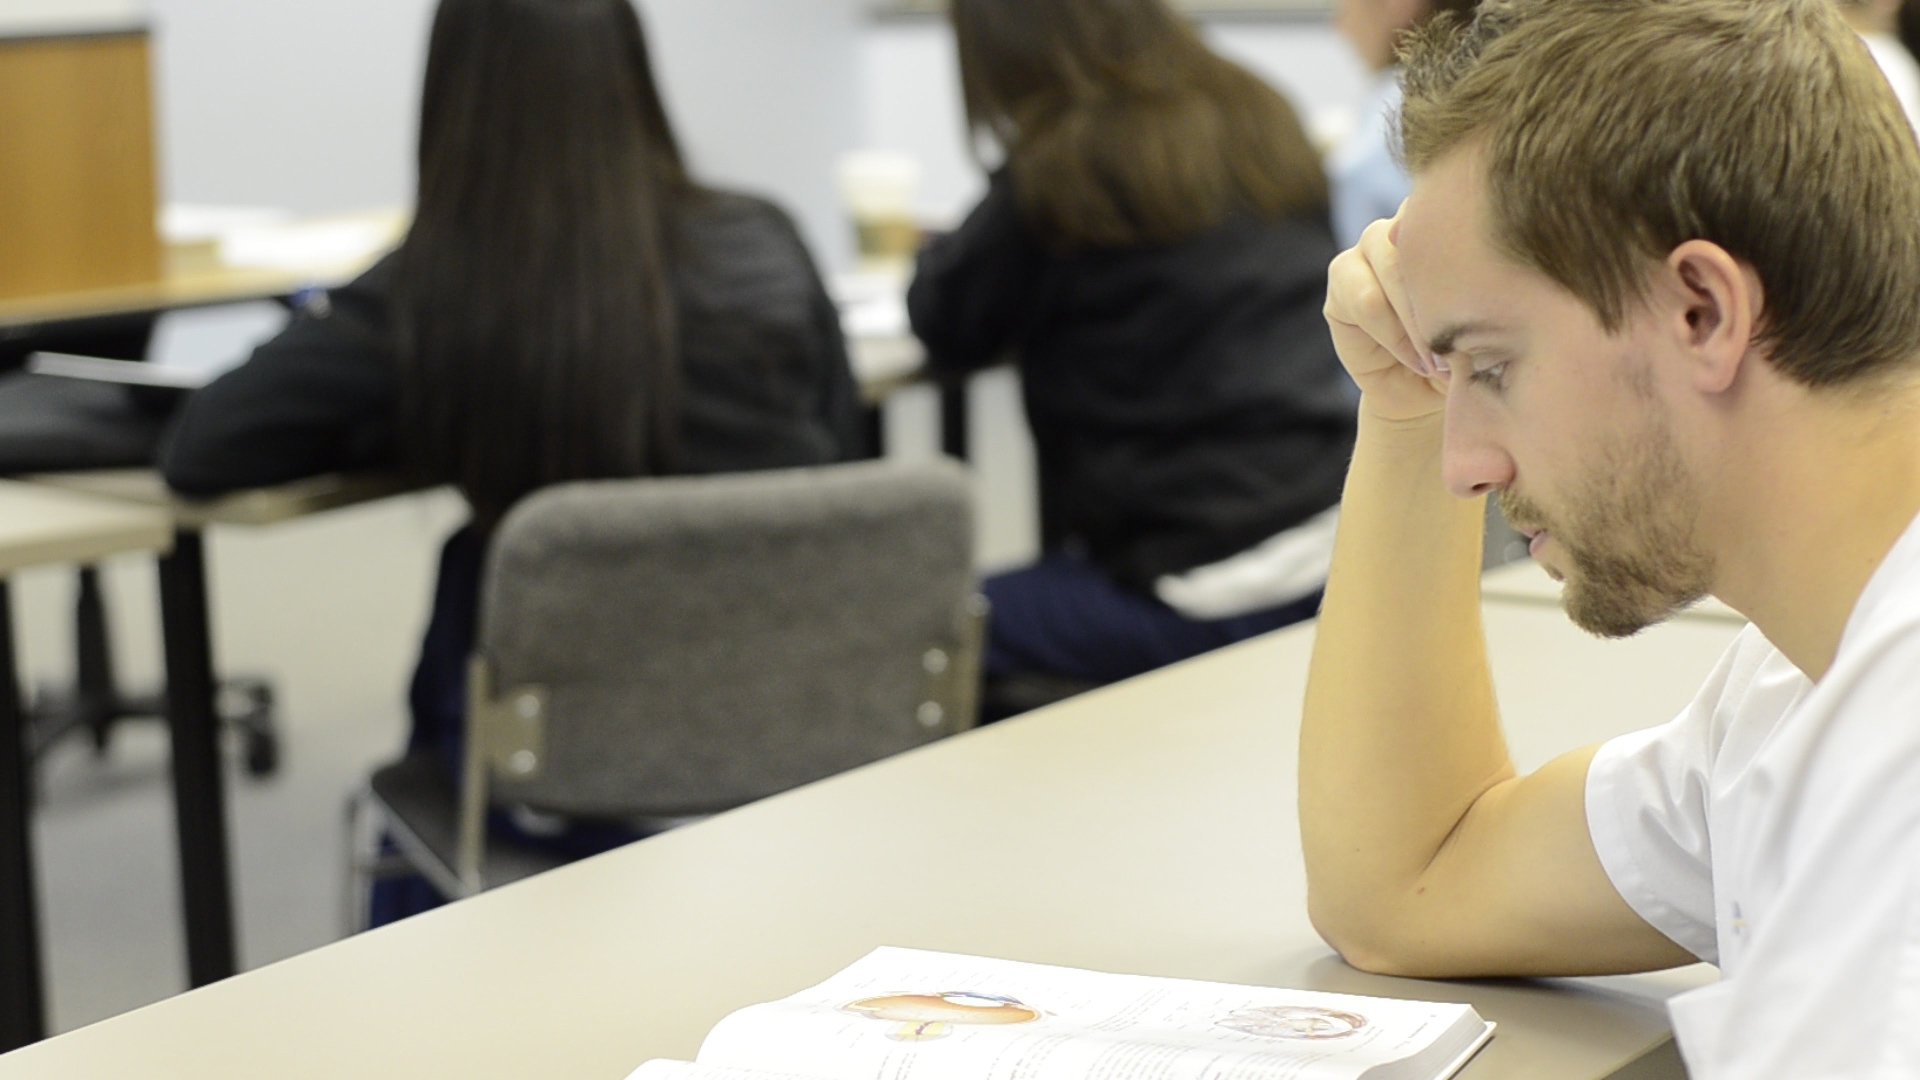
[77,176]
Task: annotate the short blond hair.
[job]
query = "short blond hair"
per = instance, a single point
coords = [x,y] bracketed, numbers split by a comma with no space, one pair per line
[1616,130]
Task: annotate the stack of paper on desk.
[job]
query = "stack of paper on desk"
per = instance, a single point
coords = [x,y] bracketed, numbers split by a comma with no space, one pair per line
[901,1013]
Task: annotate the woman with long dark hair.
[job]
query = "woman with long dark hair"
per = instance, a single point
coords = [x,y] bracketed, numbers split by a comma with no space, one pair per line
[1153,255]
[568,304]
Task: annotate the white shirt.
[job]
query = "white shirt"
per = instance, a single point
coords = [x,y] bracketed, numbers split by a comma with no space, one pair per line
[1774,829]
[1280,570]
[1366,181]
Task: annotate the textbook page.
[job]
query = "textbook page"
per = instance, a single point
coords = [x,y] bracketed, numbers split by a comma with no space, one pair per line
[902,1014]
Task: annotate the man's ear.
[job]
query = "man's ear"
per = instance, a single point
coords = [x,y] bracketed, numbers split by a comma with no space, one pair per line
[1716,307]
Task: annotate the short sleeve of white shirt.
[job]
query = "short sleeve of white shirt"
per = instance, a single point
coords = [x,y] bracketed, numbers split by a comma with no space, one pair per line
[1647,802]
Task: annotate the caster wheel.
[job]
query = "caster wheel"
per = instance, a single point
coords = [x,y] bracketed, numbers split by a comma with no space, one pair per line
[263,754]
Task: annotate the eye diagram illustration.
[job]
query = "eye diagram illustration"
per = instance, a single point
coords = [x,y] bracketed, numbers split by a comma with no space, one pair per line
[1294,1022]
[924,1017]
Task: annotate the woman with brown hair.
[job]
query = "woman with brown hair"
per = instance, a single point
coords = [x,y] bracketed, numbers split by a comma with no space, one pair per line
[1368,184]
[1153,255]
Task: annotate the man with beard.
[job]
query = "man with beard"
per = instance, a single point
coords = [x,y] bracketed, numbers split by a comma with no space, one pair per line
[1657,289]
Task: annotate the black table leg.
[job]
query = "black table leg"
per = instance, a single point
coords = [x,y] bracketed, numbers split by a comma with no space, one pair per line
[954,412]
[22,1007]
[873,421]
[199,790]
[96,696]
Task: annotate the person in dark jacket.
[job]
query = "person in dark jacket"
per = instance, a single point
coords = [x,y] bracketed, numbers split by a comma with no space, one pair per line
[1153,256]
[568,304]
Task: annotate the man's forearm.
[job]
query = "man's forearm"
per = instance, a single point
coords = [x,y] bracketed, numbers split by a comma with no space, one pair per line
[1400,733]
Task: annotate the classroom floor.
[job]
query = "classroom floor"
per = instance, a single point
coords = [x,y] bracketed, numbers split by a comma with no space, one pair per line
[330,610]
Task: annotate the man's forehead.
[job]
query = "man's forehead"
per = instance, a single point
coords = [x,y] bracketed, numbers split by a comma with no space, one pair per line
[1442,219]
[1455,278]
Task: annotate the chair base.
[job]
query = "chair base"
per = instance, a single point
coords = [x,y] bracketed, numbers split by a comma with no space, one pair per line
[246,709]
[93,704]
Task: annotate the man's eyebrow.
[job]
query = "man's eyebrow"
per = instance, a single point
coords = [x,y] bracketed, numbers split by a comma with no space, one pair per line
[1444,341]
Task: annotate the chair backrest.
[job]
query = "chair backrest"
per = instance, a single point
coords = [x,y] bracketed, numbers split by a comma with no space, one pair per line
[678,646]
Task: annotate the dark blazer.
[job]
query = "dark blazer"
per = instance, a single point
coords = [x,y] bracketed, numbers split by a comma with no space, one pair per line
[1186,402]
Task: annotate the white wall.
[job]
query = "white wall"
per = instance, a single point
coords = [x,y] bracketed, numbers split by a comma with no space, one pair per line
[285,103]
[281,102]
[1305,58]
[913,90]
[767,95]
[288,103]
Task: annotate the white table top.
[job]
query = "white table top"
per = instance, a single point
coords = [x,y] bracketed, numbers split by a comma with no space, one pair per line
[39,525]
[1525,581]
[1149,828]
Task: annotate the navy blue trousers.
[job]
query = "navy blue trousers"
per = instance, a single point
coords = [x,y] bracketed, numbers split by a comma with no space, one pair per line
[1065,617]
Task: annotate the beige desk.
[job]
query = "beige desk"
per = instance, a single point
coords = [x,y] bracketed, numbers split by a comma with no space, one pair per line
[1146,828]
[193,275]
[884,354]
[1525,582]
[261,506]
[39,526]
[885,357]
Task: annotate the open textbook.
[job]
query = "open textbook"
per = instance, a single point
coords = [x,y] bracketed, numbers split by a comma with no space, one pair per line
[903,1014]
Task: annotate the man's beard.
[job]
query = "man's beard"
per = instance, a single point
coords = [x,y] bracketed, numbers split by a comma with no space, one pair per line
[1629,537]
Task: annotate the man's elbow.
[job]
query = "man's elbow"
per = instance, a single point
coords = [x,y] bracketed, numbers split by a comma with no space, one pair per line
[1349,934]
[1373,940]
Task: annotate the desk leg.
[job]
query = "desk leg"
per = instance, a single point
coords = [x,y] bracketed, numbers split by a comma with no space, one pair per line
[199,791]
[22,1008]
[955,438]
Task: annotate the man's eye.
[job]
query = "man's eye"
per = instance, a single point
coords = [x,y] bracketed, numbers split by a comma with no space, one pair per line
[1492,377]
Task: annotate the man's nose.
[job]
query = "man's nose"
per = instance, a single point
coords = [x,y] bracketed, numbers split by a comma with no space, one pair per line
[1472,462]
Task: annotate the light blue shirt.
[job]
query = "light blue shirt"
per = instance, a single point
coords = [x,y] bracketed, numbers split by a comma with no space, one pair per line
[1367,183]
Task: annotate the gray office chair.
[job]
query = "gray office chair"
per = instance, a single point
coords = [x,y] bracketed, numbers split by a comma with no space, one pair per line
[656,650]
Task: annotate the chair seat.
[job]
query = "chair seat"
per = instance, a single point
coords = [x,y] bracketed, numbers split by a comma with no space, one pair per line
[421,806]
